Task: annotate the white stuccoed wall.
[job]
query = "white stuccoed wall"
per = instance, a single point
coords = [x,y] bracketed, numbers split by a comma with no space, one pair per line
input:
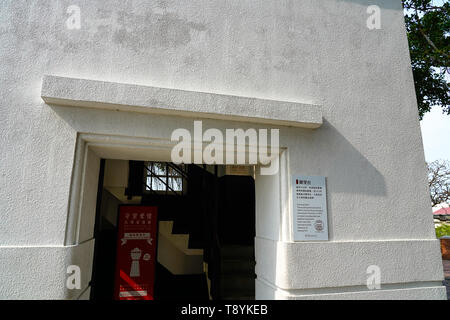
[307,51]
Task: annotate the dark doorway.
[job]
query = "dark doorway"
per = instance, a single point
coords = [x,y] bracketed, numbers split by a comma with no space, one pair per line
[215,212]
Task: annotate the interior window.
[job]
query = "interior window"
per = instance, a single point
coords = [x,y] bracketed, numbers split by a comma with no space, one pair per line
[163,177]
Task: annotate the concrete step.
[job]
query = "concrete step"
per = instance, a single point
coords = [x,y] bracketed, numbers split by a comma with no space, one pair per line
[174,253]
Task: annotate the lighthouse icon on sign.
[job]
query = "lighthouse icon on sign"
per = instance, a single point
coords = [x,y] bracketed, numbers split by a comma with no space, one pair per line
[135,256]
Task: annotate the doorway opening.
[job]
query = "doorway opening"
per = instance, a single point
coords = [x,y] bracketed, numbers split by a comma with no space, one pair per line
[206,227]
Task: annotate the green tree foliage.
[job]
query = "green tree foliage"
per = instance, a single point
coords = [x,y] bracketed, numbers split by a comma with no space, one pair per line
[443,230]
[428,27]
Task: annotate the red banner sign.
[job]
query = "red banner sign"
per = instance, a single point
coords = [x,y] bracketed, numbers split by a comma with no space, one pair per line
[136,253]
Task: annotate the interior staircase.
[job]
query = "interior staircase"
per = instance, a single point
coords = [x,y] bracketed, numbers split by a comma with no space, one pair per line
[174,252]
[237,277]
[211,225]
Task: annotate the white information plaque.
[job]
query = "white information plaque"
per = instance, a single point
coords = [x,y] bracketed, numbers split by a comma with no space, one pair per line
[310,219]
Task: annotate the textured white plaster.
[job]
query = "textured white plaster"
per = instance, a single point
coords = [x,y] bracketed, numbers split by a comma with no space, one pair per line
[127,97]
[40,272]
[415,291]
[89,197]
[116,174]
[174,252]
[318,52]
[267,206]
[304,265]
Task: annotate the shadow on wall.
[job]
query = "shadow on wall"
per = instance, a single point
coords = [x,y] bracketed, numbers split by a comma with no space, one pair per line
[348,171]
[353,173]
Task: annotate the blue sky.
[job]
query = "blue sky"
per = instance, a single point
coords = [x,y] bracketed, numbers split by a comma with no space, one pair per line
[436,135]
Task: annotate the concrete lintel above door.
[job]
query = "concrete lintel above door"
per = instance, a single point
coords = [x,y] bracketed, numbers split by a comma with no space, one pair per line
[66,91]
